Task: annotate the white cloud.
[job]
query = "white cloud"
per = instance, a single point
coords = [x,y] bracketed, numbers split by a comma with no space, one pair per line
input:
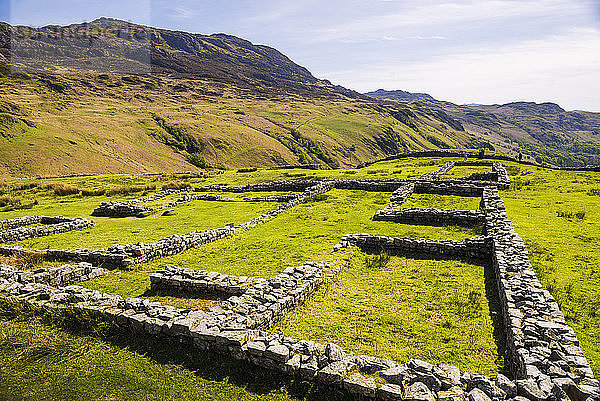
[440,13]
[563,68]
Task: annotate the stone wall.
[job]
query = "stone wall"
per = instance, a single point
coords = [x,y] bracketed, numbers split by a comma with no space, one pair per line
[54,276]
[299,166]
[50,226]
[120,209]
[224,332]
[429,216]
[544,352]
[470,249]
[173,279]
[400,196]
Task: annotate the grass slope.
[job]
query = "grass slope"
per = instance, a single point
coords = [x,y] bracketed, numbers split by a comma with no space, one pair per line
[120,124]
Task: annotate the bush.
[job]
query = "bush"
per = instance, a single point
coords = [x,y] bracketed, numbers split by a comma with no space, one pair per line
[9,201]
[127,190]
[93,192]
[61,189]
[198,160]
[247,170]
[594,192]
[176,185]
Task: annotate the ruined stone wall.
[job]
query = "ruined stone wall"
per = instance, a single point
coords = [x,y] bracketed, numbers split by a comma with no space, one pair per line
[50,226]
[119,209]
[544,352]
[54,276]
[223,331]
[430,216]
[470,249]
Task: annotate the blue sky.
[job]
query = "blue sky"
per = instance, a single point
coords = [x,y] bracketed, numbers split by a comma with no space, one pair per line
[483,51]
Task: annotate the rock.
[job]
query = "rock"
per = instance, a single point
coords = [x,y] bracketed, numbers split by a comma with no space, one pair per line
[256,348]
[418,392]
[478,395]
[334,352]
[448,375]
[332,373]
[370,364]
[486,385]
[390,392]
[452,394]
[530,390]
[279,353]
[420,366]
[506,385]
[361,385]
[398,375]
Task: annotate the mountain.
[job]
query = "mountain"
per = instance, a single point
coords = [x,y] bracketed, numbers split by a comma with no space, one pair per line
[400,95]
[545,131]
[110,45]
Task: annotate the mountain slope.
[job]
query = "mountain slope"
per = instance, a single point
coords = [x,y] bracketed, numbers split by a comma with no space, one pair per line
[543,130]
[107,123]
[109,45]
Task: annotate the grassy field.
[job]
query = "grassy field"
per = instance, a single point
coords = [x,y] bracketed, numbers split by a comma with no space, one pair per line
[436,311]
[431,310]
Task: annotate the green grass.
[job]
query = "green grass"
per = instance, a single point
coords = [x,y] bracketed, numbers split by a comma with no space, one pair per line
[432,310]
[47,359]
[463,171]
[196,215]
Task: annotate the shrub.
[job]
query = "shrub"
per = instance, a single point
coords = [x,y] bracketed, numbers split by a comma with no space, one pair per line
[176,185]
[9,201]
[61,189]
[126,190]
[93,192]
[198,160]
[247,170]
[594,192]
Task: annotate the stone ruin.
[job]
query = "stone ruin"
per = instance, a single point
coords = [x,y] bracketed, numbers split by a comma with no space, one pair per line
[543,354]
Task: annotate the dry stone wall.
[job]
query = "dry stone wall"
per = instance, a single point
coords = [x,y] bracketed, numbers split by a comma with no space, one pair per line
[120,209]
[430,216]
[49,226]
[223,331]
[470,249]
[54,276]
[544,351]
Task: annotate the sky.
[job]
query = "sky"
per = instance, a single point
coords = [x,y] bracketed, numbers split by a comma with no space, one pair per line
[480,51]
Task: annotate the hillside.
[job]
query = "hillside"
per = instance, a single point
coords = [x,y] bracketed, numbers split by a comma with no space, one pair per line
[109,45]
[208,101]
[543,130]
[101,123]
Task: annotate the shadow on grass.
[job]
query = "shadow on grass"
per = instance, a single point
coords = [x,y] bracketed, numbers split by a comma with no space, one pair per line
[491,293]
[166,351]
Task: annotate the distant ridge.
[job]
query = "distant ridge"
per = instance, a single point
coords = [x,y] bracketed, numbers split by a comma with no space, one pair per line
[400,95]
[544,130]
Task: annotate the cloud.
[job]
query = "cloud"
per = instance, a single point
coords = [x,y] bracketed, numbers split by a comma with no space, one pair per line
[564,68]
[443,13]
[181,12]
